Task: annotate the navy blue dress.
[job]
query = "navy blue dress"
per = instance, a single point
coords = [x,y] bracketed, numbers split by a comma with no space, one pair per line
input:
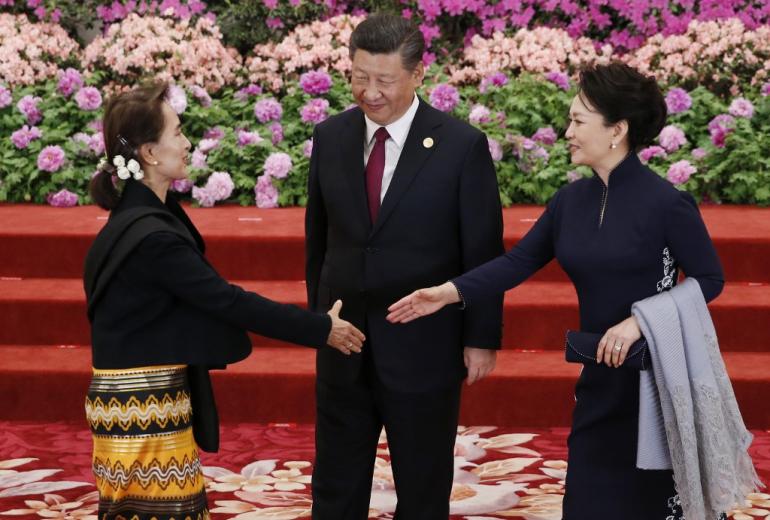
[619,243]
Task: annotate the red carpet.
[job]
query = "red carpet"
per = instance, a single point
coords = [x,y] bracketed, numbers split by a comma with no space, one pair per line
[42,309]
[263,472]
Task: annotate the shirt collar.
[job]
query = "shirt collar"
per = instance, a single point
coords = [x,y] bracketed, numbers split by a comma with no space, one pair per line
[398,129]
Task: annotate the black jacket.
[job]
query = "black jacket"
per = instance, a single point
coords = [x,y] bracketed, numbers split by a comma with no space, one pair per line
[441,216]
[165,304]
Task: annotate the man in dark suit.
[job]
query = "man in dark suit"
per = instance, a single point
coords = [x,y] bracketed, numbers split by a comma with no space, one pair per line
[401,196]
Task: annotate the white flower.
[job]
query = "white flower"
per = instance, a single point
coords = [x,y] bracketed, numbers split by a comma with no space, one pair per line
[102,163]
[139,175]
[133,166]
[123,173]
[119,161]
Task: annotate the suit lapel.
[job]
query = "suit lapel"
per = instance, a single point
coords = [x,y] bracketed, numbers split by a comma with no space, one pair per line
[352,148]
[413,156]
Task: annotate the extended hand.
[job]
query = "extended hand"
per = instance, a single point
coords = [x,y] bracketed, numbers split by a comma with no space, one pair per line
[422,302]
[617,341]
[480,362]
[344,336]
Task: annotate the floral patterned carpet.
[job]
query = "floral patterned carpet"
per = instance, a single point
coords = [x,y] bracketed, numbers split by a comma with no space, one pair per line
[263,472]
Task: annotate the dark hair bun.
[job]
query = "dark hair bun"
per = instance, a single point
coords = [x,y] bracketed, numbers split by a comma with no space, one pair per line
[620,92]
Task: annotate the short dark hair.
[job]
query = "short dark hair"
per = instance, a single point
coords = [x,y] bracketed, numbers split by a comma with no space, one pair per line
[620,92]
[386,33]
[131,119]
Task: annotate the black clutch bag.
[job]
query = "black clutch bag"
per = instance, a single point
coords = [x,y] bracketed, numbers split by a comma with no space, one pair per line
[581,347]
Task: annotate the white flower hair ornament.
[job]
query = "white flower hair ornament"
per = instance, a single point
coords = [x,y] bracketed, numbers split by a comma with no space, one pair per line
[132,168]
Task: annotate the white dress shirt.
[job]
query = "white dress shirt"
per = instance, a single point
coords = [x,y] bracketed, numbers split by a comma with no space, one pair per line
[398,130]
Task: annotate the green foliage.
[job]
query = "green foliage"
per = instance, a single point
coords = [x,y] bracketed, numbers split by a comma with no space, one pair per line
[739,172]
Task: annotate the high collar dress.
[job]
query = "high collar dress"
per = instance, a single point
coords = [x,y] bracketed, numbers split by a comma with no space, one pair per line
[619,243]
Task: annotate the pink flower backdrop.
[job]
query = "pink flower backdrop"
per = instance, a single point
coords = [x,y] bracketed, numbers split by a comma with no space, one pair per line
[507,67]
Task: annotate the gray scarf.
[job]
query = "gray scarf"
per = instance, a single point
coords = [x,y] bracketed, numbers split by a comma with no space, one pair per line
[689,420]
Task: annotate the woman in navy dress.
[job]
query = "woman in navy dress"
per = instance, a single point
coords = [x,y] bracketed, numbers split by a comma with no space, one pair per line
[621,236]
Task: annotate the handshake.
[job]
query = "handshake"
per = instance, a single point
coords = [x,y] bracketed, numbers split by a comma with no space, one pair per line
[348,339]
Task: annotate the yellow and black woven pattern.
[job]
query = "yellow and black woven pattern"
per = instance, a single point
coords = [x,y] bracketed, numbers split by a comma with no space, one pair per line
[145,459]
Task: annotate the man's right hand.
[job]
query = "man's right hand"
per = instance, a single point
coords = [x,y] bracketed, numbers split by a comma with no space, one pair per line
[343,335]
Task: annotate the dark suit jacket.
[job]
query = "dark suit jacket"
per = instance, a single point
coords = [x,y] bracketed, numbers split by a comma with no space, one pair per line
[166,304]
[441,216]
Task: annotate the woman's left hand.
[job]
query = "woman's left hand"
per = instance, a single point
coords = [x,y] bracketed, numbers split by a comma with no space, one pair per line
[616,342]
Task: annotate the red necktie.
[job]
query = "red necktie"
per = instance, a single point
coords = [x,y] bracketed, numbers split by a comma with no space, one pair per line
[374,170]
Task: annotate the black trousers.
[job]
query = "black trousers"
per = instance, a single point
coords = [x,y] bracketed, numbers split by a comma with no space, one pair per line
[421,430]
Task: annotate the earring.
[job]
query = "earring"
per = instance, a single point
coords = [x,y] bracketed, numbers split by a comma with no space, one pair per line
[613,146]
[156,162]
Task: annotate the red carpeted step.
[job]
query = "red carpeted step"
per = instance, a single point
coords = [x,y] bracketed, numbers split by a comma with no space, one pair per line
[249,243]
[537,314]
[277,385]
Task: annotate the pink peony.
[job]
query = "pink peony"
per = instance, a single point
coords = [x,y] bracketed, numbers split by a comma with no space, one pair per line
[680,172]
[201,95]
[25,135]
[267,110]
[678,100]
[244,93]
[541,153]
[277,133]
[273,22]
[28,106]
[182,185]
[246,138]
[479,114]
[765,91]
[278,165]
[265,192]
[5,97]
[203,196]
[51,158]
[559,79]
[723,121]
[444,97]
[495,150]
[177,98]
[314,111]
[719,128]
[214,133]
[221,185]
[315,82]
[741,107]
[96,143]
[672,138]
[198,160]
[719,137]
[652,151]
[546,135]
[699,153]
[70,81]
[88,98]
[62,199]
[307,148]
[497,79]
[206,145]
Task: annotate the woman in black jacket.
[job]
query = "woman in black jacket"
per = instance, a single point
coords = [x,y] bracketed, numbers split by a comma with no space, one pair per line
[160,317]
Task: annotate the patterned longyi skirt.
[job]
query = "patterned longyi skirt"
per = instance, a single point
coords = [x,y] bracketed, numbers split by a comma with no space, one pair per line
[145,460]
